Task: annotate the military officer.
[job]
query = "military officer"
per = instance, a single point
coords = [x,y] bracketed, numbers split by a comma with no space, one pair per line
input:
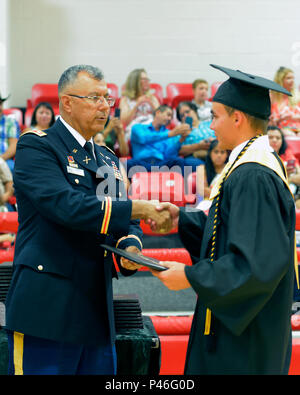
[71,198]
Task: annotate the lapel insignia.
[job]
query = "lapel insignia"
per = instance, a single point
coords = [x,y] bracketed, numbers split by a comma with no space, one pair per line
[72,162]
[86,160]
[74,150]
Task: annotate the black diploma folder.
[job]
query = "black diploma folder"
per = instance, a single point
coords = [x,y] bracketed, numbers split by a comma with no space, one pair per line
[132,256]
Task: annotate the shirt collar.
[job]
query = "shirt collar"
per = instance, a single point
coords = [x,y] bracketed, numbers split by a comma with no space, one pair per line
[262,142]
[81,140]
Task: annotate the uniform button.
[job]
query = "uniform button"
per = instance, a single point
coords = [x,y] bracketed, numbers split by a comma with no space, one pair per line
[76,180]
[40,267]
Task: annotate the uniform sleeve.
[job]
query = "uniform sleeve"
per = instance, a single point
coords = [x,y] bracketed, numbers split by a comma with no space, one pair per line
[38,175]
[237,285]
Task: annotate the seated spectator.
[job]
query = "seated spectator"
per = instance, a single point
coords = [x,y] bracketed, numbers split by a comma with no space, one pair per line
[42,117]
[137,102]
[278,143]
[9,134]
[6,186]
[285,110]
[99,139]
[153,145]
[114,136]
[197,142]
[200,89]
[208,174]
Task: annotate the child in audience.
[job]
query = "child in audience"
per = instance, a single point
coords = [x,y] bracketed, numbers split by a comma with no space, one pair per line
[208,174]
[200,89]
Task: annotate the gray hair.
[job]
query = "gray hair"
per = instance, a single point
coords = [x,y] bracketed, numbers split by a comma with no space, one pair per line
[69,76]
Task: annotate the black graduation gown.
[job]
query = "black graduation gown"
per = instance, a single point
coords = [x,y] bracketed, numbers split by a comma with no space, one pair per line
[249,286]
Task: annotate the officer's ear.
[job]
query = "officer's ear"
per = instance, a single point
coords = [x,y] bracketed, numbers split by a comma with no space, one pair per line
[66,102]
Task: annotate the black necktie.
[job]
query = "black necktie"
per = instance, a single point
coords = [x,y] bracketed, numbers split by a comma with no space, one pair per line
[88,146]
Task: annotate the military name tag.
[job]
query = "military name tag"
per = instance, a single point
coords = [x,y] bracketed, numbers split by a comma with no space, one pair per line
[73,170]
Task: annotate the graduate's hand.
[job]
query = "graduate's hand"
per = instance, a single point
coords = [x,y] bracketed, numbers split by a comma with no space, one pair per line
[127,264]
[174,278]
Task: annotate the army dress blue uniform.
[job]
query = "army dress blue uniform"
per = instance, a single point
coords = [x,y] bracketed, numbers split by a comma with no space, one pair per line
[61,289]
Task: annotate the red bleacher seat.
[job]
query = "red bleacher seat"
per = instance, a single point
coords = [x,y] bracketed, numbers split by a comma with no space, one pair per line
[191,183]
[113,91]
[178,92]
[162,186]
[157,90]
[294,144]
[148,231]
[298,219]
[16,113]
[213,89]
[169,254]
[44,92]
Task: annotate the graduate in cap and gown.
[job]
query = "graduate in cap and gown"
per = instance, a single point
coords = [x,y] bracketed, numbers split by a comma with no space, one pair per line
[243,251]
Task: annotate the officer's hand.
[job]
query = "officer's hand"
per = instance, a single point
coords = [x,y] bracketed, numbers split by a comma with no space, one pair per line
[129,265]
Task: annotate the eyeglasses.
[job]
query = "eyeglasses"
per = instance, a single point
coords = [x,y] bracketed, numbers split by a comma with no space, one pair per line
[97,99]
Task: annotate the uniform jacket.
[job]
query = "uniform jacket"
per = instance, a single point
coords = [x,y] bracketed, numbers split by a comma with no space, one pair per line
[61,287]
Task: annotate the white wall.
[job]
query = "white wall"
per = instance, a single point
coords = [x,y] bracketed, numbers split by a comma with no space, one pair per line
[3,48]
[175,40]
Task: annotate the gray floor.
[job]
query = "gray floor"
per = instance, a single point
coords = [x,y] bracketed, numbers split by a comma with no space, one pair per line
[154,297]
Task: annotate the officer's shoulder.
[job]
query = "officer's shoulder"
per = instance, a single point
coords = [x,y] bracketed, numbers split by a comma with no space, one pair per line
[39,133]
[109,149]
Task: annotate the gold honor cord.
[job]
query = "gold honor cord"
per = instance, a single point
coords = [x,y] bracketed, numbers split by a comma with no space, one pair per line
[207,328]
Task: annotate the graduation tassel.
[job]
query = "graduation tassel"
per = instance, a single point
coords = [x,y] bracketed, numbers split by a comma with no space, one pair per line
[210,327]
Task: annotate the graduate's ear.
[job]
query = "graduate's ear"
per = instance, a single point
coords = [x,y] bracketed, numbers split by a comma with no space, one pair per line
[238,118]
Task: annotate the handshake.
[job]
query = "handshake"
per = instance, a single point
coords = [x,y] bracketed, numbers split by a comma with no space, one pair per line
[162,217]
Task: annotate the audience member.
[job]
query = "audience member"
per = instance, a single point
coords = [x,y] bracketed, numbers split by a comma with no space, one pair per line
[114,136]
[197,142]
[200,89]
[208,174]
[6,185]
[285,110]
[154,145]
[278,143]
[9,134]
[137,102]
[42,117]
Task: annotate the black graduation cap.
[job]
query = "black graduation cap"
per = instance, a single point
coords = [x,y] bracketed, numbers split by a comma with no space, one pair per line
[246,92]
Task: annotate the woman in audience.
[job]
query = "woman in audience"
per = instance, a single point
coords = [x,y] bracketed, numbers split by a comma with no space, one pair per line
[42,117]
[137,102]
[197,142]
[278,143]
[208,174]
[285,111]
